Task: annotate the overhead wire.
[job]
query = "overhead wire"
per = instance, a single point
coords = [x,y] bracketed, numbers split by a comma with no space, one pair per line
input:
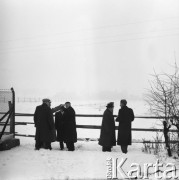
[101,42]
[90,29]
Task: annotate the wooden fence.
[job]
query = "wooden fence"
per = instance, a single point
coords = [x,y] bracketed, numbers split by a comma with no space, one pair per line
[93,126]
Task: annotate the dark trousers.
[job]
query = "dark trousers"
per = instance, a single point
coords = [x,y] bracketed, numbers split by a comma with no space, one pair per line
[38,144]
[106,148]
[124,148]
[61,145]
[70,146]
[47,145]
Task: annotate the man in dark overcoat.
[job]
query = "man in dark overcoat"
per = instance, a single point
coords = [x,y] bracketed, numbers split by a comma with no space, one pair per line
[70,134]
[125,117]
[59,125]
[45,126]
[107,137]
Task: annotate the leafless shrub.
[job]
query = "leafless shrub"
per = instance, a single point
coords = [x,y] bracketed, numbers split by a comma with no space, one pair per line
[163,100]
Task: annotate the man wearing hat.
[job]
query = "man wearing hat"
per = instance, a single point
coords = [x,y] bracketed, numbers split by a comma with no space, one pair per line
[125,117]
[44,123]
[59,125]
[107,137]
[70,133]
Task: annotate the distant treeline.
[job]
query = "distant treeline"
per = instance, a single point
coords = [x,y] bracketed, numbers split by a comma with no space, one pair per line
[38,99]
[32,99]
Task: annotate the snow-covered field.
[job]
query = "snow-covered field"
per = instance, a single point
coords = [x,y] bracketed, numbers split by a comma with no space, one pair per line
[87,162]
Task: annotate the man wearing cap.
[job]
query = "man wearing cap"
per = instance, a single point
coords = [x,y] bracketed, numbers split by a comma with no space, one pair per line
[125,117]
[107,137]
[70,134]
[44,123]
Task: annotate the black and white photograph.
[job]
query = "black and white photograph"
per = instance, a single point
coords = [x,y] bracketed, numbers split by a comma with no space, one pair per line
[89,89]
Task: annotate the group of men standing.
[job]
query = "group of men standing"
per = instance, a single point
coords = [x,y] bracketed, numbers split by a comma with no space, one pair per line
[65,124]
[108,137]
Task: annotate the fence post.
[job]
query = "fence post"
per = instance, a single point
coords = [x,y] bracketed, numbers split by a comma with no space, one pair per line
[11,117]
[12,127]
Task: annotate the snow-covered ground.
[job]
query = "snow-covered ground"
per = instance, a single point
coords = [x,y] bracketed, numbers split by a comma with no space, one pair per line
[87,162]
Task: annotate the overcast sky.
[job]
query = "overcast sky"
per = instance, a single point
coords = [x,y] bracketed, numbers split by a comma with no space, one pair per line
[86,48]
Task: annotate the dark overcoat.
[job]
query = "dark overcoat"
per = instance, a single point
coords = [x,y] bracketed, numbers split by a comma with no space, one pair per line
[107,135]
[44,123]
[125,117]
[70,134]
[59,125]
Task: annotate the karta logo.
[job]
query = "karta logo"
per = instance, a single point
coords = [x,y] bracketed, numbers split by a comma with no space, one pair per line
[115,170]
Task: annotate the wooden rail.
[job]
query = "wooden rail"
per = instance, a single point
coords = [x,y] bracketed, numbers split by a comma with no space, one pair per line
[91,115]
[89,126]
[97,139]
[94,115]
[99,127]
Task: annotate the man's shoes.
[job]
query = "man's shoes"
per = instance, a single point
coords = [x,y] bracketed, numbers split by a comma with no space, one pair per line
[70,149]
[106,150]
[48,148]
[125,152]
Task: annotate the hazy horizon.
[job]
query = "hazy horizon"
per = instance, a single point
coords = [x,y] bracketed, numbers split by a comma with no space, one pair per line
[86,49]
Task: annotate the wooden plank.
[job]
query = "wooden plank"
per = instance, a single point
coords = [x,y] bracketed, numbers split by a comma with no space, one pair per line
[93,115]
[133,129]
[11,122]
[99,127]
[96,139]
[160,142]
[2,124]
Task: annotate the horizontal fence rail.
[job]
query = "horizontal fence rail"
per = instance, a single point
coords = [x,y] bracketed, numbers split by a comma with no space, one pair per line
[94,126]
[97,139]
[97,115]
[94,115]
[99,127]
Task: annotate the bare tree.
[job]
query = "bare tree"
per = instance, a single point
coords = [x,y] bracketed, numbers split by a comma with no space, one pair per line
[174,99]
[163,99]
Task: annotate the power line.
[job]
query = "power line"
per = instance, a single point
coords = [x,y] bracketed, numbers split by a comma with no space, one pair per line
[80,40]
[92,29]
[102,42]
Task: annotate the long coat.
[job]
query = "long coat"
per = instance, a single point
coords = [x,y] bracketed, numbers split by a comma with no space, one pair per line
[125,117]
[70,134]
[44,123]
[59,125]
[107,135]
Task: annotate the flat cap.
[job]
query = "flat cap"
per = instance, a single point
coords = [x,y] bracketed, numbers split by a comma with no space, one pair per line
[46,100]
